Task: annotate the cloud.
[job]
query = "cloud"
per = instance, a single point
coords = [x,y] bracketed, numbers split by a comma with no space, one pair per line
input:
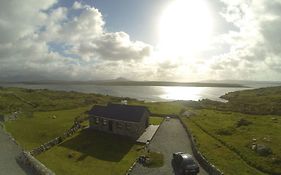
[117,46]
[50,42]
[21,18]
[45,40]
[254,50]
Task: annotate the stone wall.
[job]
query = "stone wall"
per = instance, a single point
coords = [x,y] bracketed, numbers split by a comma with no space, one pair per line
[130,129]
[210,168]
[29,162]
[26,160]
[57,140]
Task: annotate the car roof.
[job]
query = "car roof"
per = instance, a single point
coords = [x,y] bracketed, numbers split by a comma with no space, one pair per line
[184,155]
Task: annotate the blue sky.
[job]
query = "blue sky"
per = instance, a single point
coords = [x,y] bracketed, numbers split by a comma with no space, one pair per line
[138,18]
[172,40]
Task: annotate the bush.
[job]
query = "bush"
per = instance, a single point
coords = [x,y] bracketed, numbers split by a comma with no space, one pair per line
[225,131]
[243,122]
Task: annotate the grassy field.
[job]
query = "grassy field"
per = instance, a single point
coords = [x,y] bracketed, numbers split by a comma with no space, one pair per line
[260,101]
[32,131]
[218,154]
[46,114]
[174,107]
[223,126]
[28,100]
[91,152]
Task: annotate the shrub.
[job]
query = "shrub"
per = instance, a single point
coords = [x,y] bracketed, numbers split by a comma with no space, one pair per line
[243,122]
[225,131]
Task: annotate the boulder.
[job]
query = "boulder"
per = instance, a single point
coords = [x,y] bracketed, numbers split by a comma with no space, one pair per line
[263,150]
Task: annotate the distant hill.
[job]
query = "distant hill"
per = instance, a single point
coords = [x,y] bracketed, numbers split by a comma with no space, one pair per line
[124,82]
[250,83]
[253,101]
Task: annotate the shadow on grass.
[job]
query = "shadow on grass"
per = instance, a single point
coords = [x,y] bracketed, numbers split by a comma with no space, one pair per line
[103,146]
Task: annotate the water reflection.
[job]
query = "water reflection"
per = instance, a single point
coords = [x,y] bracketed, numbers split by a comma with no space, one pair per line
[182,93]
[147,93]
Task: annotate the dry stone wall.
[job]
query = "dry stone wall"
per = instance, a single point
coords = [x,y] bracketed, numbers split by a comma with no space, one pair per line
[57,140]
[209,167]
[26,160]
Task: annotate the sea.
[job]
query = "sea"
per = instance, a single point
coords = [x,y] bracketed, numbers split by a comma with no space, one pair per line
[146,93]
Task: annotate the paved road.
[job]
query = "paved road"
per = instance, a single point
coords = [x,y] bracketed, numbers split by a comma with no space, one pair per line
[8,151]
[170,137]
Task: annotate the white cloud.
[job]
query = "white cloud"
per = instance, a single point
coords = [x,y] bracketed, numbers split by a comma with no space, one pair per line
[41,41]
[255,48]
[54,45]
[20,18]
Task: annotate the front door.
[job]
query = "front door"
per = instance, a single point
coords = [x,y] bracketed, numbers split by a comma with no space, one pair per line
[110,125]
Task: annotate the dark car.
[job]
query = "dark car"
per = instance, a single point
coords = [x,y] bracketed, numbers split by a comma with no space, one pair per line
[184,164]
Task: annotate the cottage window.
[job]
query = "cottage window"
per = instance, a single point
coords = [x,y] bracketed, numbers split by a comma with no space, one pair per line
[104,121]
[97,120]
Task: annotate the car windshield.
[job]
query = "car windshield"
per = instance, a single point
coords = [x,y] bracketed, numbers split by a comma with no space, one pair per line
[188,161]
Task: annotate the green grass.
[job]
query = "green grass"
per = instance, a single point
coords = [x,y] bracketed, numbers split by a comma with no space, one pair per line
[223,127]
[218,154]
[155,120]
[174,107]
[223,143]
[32,131]
[28,100]
[261,101]
[156,160]
[92,152]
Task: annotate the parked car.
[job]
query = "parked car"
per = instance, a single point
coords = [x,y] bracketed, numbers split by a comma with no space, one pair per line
[184,164]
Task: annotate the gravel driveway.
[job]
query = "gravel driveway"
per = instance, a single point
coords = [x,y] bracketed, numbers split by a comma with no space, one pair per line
[8,151]
[170,137]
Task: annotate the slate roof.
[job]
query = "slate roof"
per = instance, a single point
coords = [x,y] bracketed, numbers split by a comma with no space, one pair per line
[119,112]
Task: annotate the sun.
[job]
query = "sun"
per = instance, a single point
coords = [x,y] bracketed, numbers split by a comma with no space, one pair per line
[185,28]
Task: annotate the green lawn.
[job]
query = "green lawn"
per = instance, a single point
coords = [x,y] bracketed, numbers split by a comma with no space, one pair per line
[156,160]
[155,120]
[34,130]
[92,152]
[223,126]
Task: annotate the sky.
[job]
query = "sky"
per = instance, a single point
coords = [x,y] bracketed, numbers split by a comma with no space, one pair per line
[170,40]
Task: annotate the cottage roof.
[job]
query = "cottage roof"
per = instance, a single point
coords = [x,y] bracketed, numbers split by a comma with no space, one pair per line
[119,112]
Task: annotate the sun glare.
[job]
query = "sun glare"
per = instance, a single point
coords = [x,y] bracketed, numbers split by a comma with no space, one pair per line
[185,28]
[183,93]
